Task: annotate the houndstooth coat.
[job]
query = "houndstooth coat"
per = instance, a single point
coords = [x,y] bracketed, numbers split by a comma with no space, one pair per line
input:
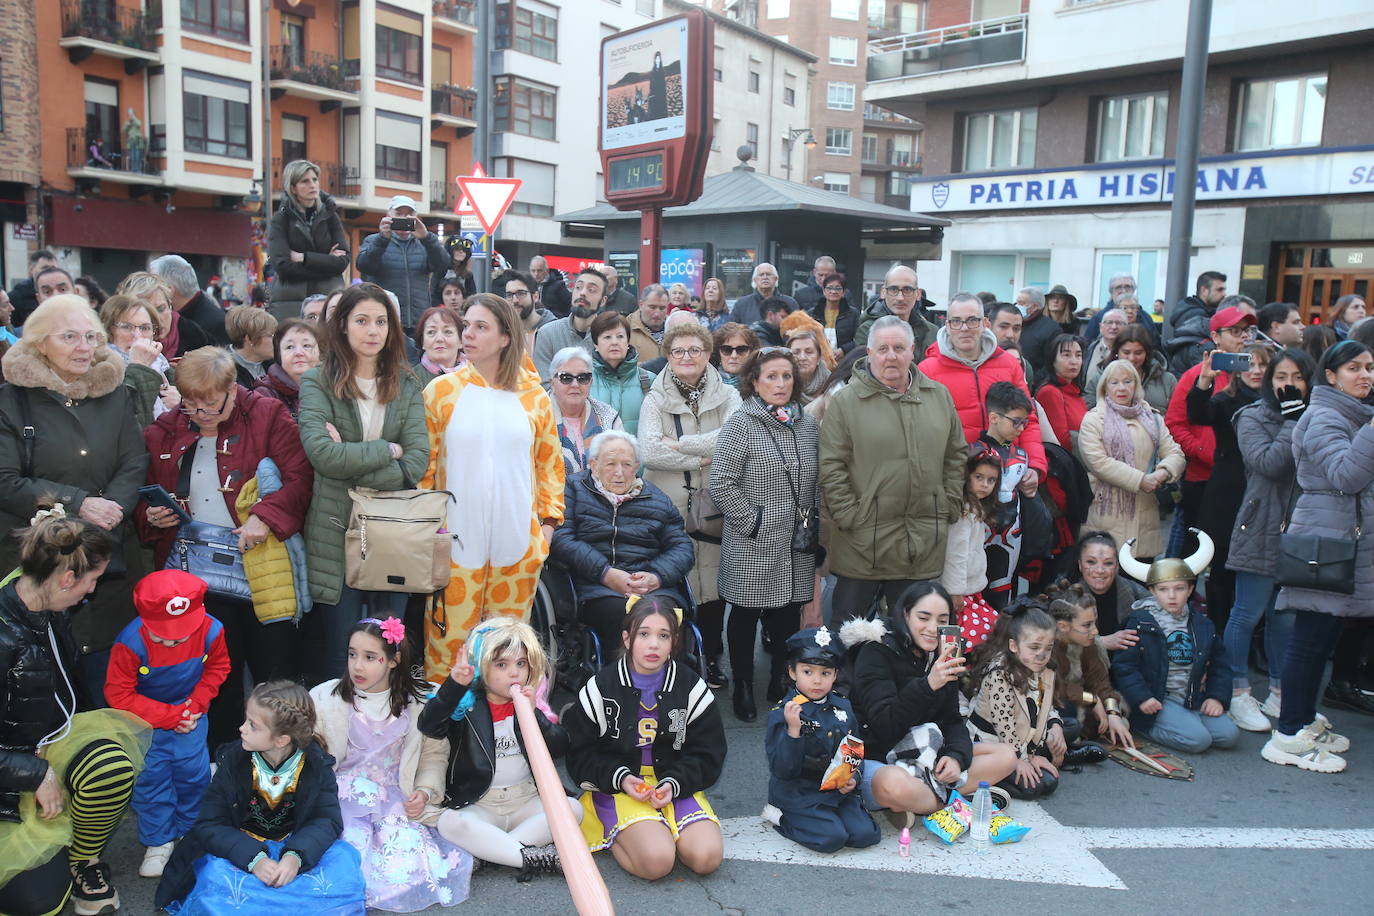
[749,483]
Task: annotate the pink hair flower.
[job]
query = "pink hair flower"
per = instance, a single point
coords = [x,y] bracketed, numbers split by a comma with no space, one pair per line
[393,631]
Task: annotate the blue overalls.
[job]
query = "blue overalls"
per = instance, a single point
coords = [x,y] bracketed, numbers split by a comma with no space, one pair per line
[823,821]
[176,771]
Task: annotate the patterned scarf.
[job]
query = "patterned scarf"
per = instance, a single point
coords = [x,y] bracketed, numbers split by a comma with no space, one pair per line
[787,414]
[1116,436]
[690,393]
[618,499]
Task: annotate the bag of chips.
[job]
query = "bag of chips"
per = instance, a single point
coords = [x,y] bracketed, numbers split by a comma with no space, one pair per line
[951,821]
[845,765]
[1003,829]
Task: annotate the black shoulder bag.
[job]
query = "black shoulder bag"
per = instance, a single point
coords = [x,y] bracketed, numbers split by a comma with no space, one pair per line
[1317,562]
[806,529]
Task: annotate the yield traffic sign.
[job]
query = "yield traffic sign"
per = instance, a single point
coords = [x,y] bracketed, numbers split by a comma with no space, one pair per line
[490,198]
[464,207]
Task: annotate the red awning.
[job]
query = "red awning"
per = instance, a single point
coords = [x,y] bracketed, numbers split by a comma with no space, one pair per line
[135,226]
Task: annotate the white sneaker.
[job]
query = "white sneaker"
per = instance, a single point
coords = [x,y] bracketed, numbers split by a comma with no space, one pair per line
[155,860]
[1246,713]
[1326,738]
[1302,751]
[772,814]
[1270,706]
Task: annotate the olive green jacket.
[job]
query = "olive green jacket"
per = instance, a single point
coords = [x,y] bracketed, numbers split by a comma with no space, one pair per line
[352,463]
[892,471]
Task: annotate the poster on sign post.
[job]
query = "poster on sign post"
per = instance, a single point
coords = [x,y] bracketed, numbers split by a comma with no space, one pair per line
[682,265]
[643,86]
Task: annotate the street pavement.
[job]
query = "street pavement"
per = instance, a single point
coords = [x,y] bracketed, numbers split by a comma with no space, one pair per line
[1246,837]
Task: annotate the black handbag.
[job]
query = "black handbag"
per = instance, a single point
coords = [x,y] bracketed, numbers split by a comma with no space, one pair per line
[1319,562]
[806,527]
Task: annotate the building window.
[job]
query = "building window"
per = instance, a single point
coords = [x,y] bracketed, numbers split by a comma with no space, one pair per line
[1280,113]
[293,41]
[847,10]
[839,96]
[102,115]
[522,107]
[536,196]
[1145,265]
[899,184]
[222,18]
[839,141]
[868,188]
[844,51]
[399,37]
[215,111]
[716,71]
[779,9]
[754,81]
[292,139]
[836,181]
[869,148]
[1132,126]
[645,8]
[1002,274]
[900,150]
[999,139]
[789,96]
[751,137]
[528,28]
[400,141]
[715,135]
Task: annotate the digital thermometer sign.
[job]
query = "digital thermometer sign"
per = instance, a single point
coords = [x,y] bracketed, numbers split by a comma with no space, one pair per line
[636,173]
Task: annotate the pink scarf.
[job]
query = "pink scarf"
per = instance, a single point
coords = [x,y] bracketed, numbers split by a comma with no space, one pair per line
[1116,437]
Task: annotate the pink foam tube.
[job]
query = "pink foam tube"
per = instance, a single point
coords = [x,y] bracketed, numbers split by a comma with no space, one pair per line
[589,892]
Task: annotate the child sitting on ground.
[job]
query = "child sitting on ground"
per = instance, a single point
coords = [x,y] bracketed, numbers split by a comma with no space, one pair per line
[966,559]
[1007,409]
[166,667]
[1013,699]
[803,735]
[1089,706]
[1177,677]
[270,820]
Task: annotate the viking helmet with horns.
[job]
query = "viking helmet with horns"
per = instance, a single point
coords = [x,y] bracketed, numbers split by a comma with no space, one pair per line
[1168,569]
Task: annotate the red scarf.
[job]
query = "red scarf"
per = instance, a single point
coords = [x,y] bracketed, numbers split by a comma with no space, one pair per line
[171,343]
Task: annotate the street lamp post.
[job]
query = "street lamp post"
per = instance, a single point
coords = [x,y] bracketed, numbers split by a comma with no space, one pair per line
[790,141]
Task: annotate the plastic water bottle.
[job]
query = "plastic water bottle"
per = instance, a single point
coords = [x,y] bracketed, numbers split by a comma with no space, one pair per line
[982,819]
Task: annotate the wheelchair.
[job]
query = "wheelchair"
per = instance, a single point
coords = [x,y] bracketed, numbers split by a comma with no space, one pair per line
[575,647]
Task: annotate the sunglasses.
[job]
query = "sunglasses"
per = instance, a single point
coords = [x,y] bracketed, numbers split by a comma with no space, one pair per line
[735,351]
[581,378]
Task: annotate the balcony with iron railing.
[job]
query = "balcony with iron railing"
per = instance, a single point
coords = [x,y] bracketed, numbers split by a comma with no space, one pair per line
[336,179]
[456,15]
[310,75]
[109,162]
[453,106]
[960,47]
[443,196]
[112,29]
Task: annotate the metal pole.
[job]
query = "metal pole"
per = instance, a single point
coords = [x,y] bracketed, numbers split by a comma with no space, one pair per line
[266,109]
[650,245]
[1185,161]
[481,138]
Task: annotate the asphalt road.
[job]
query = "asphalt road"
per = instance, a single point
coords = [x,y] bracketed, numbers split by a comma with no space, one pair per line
[1245,837]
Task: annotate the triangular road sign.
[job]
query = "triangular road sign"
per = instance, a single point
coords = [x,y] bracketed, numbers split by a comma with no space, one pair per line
[489,197]
[464,208]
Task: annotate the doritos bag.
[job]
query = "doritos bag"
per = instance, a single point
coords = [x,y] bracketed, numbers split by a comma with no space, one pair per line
[848,760]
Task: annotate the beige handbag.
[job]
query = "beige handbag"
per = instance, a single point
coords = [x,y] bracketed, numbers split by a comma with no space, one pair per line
[398,540]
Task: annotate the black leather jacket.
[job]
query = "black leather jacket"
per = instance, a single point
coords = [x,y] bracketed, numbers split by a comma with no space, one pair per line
[31,683]
[472,742]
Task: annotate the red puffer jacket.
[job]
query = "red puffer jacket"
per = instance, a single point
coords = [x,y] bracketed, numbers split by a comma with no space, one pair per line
[968,385]
[257,427]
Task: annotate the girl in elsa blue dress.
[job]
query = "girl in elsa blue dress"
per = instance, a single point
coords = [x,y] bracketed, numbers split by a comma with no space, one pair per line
[267,838]
[391,777]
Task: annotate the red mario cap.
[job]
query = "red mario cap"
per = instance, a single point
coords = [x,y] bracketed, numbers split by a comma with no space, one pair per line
[1230,317]
[171,603]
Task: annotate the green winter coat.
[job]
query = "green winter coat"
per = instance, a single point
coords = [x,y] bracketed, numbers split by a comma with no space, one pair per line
[352,463]
[892,471]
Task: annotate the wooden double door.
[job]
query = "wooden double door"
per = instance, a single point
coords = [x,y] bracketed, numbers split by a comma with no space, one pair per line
[1316,275]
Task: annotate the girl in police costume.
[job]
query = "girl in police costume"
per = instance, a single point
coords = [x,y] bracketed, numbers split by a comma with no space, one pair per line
[647,740]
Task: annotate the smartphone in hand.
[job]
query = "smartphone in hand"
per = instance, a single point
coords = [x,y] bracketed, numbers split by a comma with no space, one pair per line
[156,495]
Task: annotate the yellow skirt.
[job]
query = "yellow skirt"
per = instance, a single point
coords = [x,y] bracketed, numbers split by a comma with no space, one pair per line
[604,816]
[33,840]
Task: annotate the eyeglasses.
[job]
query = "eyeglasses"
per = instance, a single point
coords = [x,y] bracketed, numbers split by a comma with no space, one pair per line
[900,290]
[207,411]
[726,350]
[957,323]
[517,294]
[683,352]
[1122,288]
[72,338]
[140,328]
[1240,330]
[568,378]
[834,289]
[1018,422]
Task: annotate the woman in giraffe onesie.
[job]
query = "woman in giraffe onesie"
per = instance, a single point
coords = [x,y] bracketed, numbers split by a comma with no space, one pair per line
[493,444]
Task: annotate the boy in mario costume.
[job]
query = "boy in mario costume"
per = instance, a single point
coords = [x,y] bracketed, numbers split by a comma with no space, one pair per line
[166,667]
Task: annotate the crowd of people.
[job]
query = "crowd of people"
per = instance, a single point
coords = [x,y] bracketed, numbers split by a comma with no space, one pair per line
[930,517]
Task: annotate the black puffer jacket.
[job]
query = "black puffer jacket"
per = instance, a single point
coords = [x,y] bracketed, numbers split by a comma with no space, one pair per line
[314,235]
[846,323]
[472,742]
[29,692]
[644,534]
[891,694]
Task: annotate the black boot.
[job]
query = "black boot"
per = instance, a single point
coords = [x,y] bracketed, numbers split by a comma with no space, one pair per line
[715,678]
[1088,752]
[745,710]
[539,860]
[1348,696]
[778,681]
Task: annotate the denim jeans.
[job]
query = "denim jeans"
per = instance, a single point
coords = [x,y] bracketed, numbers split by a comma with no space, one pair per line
[1190,731]
[1314,636]
[1255,597]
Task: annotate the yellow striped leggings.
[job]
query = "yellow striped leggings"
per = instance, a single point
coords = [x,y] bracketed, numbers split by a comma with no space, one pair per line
[99,783]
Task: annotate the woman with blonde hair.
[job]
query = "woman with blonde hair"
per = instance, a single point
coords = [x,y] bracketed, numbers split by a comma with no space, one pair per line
[176,336]
[494,444]
[250,333]
[305,240]
[1129,454]
[806,345]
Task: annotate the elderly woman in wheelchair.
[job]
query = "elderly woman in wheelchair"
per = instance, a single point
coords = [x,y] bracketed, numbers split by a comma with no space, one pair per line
[621,536]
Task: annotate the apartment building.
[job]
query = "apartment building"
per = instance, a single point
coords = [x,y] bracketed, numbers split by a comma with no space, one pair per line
[1051,127]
